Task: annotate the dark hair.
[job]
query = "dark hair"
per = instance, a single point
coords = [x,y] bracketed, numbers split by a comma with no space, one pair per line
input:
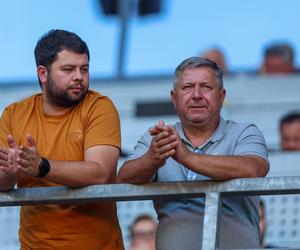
[53,42]
[196,62]
[138,219]
[289,118]
[283,50]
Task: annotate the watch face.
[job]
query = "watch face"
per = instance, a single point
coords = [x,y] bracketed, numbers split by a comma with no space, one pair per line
[44,168]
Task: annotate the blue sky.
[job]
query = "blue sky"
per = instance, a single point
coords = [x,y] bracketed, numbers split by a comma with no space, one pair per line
[155,44]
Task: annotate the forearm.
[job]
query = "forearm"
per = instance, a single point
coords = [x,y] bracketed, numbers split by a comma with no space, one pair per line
[142,169]
[79,173]
[137,171]
[226,167]
[7,182]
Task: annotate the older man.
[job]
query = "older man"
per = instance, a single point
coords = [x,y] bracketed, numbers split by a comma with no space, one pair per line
[201,146]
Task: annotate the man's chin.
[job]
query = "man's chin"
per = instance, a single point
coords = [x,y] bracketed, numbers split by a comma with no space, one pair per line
[70,101]
[76,97]
[198,118]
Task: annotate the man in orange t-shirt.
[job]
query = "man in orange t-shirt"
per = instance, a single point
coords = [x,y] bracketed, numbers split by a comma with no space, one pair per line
[66,135]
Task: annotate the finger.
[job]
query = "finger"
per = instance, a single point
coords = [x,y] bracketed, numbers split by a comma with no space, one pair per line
[161,123]
[159,127]
[23,162]
[164,137]
[4,150]
[7,169]
[27,170]
[3,164]
[24,152]
[4,169]
[11,141]
[171,129]
[12,154]
[167,147]
[167,154]
[4,156]
[166,141]
[24,169]
[155,130]
[30,141]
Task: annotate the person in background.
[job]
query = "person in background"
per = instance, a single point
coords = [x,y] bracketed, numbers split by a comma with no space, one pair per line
[216,55]
[143,230]
[262,223]
[290,131]
[201,146]
[278,59]
[66,135]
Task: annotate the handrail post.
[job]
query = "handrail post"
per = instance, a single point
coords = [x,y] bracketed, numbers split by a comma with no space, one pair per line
[210,237]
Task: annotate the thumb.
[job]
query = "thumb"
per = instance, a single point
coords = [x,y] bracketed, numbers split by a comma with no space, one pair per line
[161,123]
[30,141]
[11,141]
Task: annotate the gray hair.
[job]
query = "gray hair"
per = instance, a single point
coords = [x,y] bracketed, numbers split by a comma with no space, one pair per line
[196,62]
[285,51]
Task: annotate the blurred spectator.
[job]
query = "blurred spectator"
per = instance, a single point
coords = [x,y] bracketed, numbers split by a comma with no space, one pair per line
[262,224]
[278,59]
[216,55]
[290,131]
[143,231]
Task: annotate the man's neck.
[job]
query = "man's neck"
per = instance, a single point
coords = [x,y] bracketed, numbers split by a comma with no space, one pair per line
[199,134]
[53,110]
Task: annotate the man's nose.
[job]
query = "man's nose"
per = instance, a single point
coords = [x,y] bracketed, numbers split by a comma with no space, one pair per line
[78,75]
[197,92]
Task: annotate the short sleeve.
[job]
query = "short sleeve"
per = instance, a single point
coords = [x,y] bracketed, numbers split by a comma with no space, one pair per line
[102,126]
[5,127]
[251,142]
[141,147]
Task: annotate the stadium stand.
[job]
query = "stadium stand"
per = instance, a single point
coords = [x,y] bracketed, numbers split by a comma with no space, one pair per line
[143,101]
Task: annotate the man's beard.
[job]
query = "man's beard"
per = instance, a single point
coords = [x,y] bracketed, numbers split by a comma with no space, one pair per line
[61,98]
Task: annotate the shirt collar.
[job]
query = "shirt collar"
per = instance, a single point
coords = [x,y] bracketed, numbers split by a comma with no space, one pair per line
[217,135]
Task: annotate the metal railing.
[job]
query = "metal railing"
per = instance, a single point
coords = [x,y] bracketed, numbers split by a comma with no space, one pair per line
[211,190]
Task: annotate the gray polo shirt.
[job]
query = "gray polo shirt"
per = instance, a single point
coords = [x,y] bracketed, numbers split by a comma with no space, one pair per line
[180,221]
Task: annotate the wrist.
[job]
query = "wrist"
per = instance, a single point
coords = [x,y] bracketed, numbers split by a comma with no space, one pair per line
[151,163]
[185,157]
[44,168]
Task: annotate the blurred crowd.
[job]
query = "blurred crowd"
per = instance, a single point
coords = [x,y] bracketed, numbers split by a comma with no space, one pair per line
[278,58]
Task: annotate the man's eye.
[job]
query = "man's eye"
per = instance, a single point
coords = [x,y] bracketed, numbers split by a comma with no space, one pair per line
[207,87]
[67,69]
[84,70]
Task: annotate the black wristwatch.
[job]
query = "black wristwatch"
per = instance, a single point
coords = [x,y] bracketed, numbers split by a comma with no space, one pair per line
[44,168]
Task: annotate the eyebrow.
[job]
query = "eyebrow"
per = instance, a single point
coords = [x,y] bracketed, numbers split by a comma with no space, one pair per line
[74,65]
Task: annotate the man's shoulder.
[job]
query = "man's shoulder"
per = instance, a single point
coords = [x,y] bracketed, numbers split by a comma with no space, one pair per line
[93,97]
[239,130]
[237,126]
[96,103]
[24,103]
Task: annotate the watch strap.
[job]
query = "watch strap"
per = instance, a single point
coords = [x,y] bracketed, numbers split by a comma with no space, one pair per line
[44,168]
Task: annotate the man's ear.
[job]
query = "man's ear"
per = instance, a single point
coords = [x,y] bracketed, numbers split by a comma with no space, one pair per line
[173,97]
[42,74]
[222,95]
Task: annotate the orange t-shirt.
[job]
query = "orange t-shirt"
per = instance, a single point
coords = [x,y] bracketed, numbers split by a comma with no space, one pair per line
[94,121]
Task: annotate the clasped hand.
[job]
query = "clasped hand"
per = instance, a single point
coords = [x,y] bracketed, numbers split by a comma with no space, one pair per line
[166,143]
[23,158]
